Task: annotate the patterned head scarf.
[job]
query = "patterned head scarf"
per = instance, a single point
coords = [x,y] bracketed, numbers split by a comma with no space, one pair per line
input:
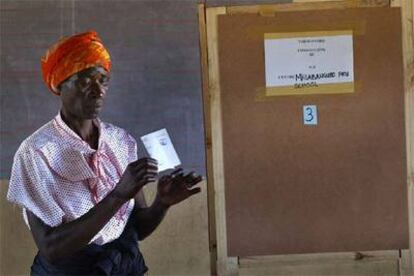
[71,55]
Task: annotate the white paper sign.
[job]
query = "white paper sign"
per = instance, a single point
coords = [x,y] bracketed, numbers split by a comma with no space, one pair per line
[159,146]
[300,61]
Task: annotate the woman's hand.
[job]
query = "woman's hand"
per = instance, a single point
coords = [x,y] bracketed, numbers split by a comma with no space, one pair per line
[177,187]
[136,176]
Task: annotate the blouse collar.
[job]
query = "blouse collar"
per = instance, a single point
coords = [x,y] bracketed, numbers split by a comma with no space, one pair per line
[74,138]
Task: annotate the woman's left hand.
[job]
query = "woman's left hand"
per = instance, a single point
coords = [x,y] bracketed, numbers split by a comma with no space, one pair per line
[176,187]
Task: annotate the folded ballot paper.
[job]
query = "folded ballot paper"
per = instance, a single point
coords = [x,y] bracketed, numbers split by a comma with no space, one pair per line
[159,146]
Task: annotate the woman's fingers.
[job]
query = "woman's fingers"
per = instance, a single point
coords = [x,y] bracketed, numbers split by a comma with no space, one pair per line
[145,160]
[192,179]
[194,191]
[148,164]
[177,172]
[145,169]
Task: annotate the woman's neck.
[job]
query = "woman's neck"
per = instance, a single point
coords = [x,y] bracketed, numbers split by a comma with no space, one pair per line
[84,128]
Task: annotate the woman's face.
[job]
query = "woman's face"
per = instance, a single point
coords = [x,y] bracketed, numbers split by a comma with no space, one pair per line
[83,93]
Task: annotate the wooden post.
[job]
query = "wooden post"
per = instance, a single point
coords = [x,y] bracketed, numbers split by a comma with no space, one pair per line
[207,134]
[407,14]
[225,265]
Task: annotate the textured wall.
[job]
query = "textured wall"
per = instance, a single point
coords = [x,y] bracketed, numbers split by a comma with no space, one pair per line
[155,76]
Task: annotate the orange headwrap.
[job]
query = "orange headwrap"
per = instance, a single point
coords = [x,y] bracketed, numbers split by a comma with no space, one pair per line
[71,55]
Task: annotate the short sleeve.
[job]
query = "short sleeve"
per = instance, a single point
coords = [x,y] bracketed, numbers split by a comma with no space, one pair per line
[30,187]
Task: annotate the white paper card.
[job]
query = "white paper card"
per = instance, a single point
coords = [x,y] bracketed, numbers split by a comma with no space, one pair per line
[310,115]
[159,146]
[308,59]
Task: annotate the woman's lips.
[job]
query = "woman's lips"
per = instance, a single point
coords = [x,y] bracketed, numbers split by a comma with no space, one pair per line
[97,104]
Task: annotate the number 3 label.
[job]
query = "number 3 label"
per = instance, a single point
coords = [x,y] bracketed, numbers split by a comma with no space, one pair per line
[310,115]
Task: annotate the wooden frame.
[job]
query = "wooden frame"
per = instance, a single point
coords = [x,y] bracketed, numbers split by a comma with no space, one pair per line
[316,263]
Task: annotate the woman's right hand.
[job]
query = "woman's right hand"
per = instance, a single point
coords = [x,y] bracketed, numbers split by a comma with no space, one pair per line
[136,176]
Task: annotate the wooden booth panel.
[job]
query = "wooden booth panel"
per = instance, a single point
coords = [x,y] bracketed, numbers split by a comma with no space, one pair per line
[339,186]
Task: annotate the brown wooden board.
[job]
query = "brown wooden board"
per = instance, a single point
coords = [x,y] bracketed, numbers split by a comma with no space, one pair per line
[339,186]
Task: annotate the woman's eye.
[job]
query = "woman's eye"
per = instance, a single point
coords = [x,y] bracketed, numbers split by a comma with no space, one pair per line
[85,82]
[104,81]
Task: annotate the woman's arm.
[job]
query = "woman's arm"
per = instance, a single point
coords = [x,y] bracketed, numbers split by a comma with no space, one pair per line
[55,243]
[64,240]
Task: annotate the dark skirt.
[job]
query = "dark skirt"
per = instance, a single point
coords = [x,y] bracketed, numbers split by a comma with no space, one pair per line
[119,257]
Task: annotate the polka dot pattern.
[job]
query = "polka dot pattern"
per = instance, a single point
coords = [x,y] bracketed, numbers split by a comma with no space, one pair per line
[59,177]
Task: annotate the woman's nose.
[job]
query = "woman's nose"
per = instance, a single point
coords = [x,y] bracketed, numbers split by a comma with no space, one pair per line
[98,90]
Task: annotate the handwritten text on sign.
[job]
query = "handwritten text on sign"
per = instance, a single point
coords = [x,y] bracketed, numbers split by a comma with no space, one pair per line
[309,63]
